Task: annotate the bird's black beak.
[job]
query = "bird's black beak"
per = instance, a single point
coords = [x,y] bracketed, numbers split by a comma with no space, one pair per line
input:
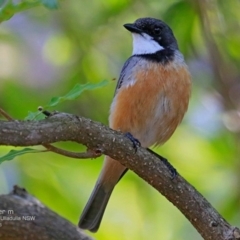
[131,27]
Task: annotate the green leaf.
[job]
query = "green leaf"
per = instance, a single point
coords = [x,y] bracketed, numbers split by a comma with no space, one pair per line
[51,4]
[35,116]
[75,92]
[14,153]
[71,95]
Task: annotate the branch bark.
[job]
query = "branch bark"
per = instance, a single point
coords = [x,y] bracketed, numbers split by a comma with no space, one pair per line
[24,217]
[63,127]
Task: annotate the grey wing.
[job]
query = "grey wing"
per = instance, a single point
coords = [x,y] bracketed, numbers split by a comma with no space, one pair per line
[126,73]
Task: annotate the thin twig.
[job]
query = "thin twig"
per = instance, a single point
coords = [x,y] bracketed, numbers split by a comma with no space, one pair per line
[82,155]
[6,115]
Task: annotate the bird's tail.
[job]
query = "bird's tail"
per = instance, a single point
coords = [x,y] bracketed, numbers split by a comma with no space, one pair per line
[94,210]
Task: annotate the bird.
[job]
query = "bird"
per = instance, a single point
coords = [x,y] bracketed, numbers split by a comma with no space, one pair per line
[150,101]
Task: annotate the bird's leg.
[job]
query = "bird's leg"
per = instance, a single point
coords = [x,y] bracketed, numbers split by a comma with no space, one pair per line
[167,164]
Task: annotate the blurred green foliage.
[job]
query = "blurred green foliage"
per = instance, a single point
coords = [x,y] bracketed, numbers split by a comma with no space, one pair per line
[45,53]
[10,7]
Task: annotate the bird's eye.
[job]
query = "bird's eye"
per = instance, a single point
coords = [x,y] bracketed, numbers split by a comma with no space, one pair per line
[156,30]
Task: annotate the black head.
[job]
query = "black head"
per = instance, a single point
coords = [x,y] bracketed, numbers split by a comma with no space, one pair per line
[152,29]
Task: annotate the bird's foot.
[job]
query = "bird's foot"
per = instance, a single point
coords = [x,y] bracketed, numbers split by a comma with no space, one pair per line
[172,170]
[135,141]
[170,167]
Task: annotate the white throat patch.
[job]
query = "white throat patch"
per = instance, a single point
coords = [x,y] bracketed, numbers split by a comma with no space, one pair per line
[144,44]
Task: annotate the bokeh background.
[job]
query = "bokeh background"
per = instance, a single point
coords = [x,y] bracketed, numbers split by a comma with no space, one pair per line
[45,53]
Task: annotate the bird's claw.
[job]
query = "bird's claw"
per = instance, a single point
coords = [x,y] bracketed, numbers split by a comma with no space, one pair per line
[135,141]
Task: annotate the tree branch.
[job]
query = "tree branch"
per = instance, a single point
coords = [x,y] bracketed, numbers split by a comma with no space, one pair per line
[24,217]
[63,127]
[88,154]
